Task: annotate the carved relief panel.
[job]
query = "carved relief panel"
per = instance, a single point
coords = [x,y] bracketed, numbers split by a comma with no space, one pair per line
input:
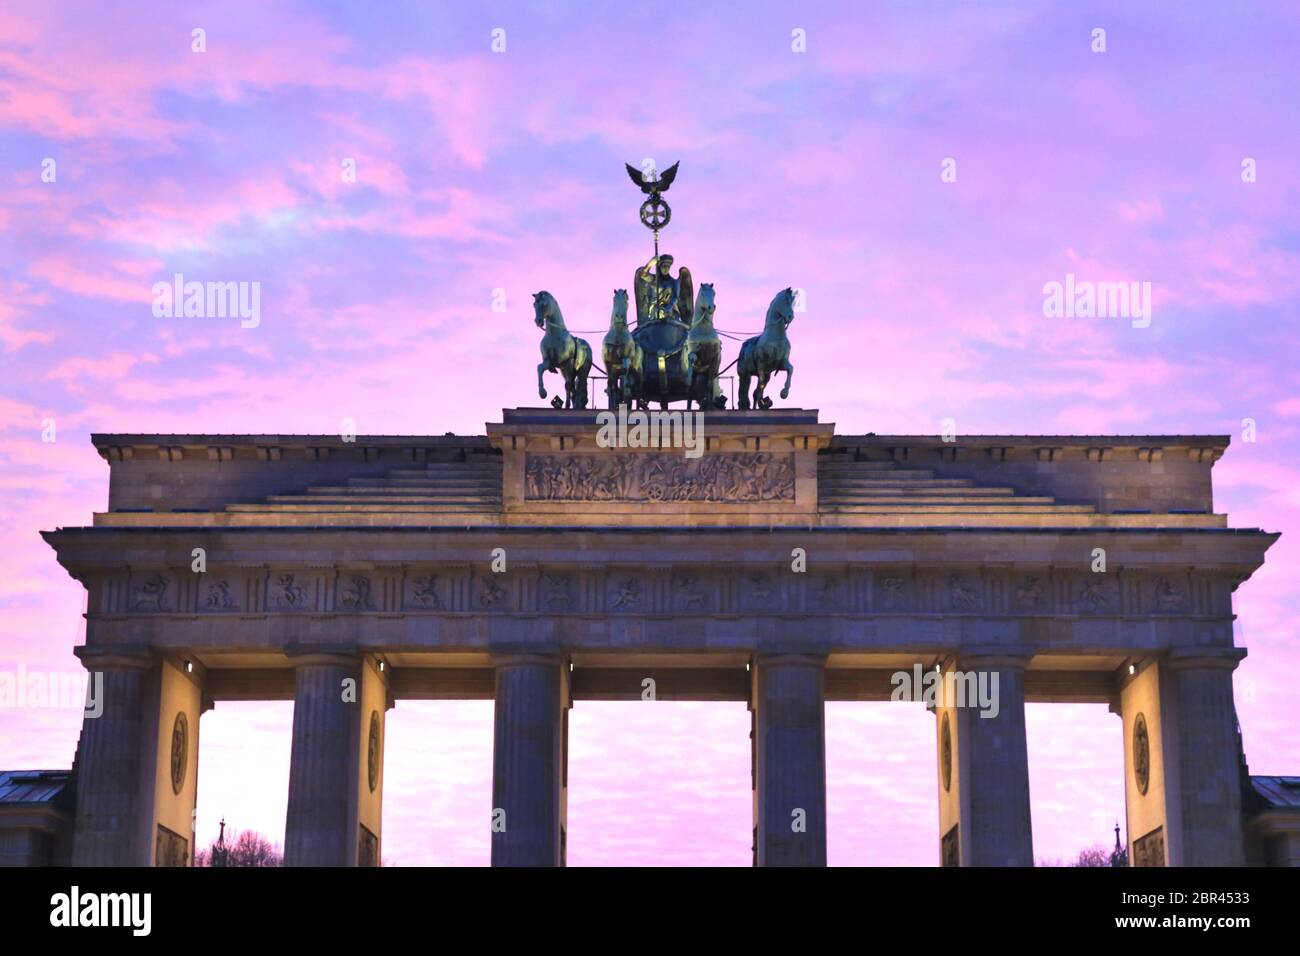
[724,477]
[659,589]
[892,590]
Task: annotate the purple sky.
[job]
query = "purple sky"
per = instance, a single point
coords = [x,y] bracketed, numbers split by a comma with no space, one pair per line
[479,171]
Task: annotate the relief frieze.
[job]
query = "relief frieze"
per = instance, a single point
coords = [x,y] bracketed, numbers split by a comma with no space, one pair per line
[693,590]
[719,477]
[220,596]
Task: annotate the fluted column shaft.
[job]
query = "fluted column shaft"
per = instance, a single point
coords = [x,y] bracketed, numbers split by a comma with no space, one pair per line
[1182,759]
[790,751]
[988,775]
[322,769]
[113,804]
[527,761]
[1208,760]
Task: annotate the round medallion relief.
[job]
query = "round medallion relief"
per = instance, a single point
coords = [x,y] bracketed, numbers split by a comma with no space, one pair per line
[1141,754]
[180,751]
[372,753]
[945,753]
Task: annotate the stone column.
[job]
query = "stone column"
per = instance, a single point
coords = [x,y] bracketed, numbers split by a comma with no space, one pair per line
[324,765]
[983,763]
[527,761]
[790,760]
[138,760]
[113,801]
[1209,758]
[1182,760]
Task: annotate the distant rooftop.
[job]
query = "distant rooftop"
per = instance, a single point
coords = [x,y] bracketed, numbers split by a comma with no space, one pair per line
[26,787]
[1279,793]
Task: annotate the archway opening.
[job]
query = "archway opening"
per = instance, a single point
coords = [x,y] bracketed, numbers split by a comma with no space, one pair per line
[659,783]
[1076,781]
[438,783]
[244,750]
[881,800]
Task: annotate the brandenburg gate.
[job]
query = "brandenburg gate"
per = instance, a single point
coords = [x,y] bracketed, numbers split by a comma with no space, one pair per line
[785,566]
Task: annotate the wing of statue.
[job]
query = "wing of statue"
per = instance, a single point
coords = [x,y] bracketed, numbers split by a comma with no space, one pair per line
[640,289]
[685,293]
[667,177]
[636,175]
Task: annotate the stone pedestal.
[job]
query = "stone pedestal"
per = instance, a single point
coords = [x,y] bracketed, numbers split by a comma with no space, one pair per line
[558,470]
[336,769]
[790,760]
[1182,760]
[527,761]
[984,817]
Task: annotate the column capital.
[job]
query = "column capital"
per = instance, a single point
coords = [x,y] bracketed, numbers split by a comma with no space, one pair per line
[1205,658]
[796,636]
[789,659]
[338,655]
[520,659]
[115,656]
[991,658]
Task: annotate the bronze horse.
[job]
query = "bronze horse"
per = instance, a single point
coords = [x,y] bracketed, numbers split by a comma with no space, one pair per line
[767,353]
[623,356]
[702,356]
[562,352]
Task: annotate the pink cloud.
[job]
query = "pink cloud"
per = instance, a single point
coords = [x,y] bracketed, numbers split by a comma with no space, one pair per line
[479,171]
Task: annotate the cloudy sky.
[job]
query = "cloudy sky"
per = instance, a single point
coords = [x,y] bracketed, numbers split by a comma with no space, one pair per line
[479,171]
